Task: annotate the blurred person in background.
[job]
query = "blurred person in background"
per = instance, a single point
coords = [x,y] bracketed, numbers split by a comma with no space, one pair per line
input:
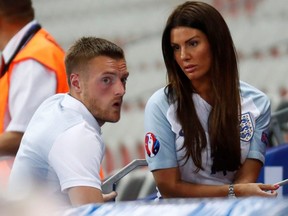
[32,69]
[283,104]
[206,131]
[62,148]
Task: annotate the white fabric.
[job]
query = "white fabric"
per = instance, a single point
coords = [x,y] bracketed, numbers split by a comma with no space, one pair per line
[61,148]
[30,84]
[164,133]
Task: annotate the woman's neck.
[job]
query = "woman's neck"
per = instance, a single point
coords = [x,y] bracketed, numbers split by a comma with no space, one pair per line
[204,89]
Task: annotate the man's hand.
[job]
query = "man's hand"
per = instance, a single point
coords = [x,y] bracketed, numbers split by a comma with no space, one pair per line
[110,196]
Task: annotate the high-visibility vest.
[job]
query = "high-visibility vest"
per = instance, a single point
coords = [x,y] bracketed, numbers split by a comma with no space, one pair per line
[42,48]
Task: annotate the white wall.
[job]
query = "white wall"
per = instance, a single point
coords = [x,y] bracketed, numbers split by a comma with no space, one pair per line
[137,25]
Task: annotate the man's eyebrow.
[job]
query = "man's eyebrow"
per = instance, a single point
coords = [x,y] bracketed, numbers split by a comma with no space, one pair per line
[109,72]
[115,73]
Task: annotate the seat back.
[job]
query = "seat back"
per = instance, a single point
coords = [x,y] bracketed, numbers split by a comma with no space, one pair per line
[138,184]
[275,168]
[279,122]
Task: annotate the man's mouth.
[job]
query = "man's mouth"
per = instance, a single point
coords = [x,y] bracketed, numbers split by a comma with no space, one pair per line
[117,104]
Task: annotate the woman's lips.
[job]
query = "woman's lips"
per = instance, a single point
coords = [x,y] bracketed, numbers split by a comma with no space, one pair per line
[190,68]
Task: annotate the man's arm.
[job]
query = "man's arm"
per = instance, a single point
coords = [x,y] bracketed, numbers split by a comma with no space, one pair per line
[84,195]
[9,143]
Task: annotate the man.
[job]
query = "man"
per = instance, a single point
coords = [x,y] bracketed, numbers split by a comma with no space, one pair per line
[33,70]
[62,148]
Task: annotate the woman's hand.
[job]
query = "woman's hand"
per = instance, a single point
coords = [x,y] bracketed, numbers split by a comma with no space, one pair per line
[255,189]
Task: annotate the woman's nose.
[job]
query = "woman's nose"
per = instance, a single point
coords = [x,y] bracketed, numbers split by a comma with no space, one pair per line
[184,54]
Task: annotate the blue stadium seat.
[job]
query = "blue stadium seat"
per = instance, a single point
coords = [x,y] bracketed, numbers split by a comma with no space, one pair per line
[276,167]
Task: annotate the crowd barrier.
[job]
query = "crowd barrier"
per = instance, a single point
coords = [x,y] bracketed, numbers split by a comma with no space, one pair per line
[252,206]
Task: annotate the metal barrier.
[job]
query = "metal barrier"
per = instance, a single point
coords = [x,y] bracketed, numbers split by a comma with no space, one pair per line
[278,118]
[109,184]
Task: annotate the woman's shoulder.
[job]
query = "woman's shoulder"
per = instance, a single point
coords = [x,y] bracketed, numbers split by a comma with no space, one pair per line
[252,95]
[248,90]
[158,99]
[158,95]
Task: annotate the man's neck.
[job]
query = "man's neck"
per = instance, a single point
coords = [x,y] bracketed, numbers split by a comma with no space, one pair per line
[7,31]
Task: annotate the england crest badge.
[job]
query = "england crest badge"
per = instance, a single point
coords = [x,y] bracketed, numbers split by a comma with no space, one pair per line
[246,127]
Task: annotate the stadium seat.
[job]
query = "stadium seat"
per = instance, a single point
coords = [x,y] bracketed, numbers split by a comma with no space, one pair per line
[148,188]
[279,119]
[130,185]
[276,167]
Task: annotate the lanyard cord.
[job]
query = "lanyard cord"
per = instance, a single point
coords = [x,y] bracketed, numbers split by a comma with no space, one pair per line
[29,34]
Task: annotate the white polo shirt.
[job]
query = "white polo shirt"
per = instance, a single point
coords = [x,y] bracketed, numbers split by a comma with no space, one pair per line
[61,148]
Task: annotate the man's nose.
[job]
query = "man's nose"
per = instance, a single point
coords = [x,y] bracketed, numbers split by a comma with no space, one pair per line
[120,88]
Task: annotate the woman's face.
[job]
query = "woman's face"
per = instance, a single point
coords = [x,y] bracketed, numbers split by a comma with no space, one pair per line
[192,52]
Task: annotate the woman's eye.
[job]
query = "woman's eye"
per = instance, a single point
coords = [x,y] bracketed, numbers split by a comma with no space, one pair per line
[193,43]
[175,47]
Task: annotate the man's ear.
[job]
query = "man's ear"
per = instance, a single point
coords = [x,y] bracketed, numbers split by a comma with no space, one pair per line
[75,82]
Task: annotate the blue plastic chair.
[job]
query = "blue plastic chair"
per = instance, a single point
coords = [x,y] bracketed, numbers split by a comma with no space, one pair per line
[276,157]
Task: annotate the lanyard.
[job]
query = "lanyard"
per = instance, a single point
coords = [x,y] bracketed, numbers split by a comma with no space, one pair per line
[29,34]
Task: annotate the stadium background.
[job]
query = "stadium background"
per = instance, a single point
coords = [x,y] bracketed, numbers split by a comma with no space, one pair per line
[258,27]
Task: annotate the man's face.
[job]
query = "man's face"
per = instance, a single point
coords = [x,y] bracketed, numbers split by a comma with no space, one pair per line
[103,88]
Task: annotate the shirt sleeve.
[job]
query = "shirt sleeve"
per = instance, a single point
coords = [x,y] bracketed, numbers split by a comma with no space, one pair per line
[76,156]
[31,83]
[260,141]
[159,138]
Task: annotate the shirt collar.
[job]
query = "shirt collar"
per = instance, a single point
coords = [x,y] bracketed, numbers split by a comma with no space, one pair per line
[13,43]
[76,105]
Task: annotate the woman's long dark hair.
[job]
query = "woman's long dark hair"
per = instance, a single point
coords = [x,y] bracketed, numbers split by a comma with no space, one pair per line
[223,124]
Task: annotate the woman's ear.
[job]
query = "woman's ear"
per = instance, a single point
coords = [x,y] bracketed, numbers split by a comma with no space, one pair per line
[75,82]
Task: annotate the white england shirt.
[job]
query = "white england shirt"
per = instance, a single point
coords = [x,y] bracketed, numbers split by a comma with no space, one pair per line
[164,139]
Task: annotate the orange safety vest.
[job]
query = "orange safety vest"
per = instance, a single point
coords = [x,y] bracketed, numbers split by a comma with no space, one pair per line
[42,48]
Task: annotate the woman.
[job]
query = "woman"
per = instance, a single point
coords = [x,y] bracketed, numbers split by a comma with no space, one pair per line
[194,145]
